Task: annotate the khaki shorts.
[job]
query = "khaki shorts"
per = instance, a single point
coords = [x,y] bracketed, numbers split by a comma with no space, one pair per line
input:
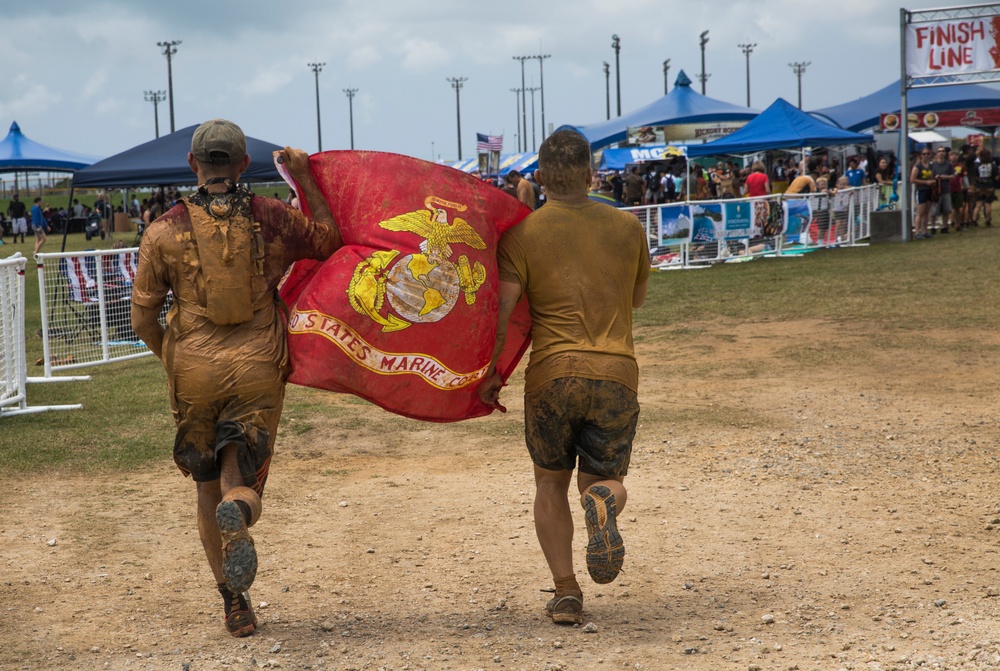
[250,421]
[574,417]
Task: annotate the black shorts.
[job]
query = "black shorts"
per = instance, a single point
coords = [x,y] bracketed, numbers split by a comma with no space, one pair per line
[923,196]
[575,417]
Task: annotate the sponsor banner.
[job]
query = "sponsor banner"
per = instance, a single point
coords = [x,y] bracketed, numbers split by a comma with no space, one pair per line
[798,215]
[738,216]
[944,119]
[716,221]
[712,130]
[953,47]
[675,224]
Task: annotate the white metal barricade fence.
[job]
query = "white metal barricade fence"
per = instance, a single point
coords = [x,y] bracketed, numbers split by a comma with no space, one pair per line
[781,225]
[86,308]
[13,366]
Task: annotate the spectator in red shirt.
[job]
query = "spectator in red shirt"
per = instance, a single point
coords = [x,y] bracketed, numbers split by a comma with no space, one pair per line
[757,183]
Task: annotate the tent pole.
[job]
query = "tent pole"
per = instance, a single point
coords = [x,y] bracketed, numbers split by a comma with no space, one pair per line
[904,131]
[69,210]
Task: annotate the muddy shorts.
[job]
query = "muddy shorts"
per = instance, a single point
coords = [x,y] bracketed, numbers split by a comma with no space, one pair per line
[574,417]
[250,421]
[985,194]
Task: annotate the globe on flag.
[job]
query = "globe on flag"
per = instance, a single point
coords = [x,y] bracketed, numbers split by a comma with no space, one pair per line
[405,313]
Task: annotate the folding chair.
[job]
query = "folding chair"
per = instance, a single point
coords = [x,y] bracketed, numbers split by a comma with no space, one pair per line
[76,309]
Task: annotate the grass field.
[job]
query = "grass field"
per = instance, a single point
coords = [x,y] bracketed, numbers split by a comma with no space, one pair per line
[949,283]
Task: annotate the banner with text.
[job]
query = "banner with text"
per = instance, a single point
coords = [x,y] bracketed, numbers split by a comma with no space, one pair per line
[958,46]
[984,118]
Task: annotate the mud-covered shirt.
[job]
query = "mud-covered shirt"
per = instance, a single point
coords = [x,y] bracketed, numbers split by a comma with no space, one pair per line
[205,361]
[578,265]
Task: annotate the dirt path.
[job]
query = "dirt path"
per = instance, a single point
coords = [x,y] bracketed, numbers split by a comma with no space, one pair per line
[802,496]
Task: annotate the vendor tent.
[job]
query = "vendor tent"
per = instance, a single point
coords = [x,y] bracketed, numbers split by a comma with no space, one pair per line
[780,126]
[681,106]
[163,162]
[523,163]
[617,159]
[864,113]
[18,153]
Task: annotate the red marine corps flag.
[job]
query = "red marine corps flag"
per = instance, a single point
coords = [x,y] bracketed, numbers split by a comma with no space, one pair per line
[405,314]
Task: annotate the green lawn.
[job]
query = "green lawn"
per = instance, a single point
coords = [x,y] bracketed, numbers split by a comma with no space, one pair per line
[950,283]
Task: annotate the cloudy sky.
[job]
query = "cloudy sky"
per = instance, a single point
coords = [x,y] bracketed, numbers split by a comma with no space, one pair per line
[75,71]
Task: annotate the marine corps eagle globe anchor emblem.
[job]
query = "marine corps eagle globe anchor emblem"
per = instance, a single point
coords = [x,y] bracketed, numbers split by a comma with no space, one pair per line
[422,287]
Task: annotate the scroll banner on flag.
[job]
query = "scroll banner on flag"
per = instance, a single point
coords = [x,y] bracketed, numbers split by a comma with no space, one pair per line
[953,47]
[405,313]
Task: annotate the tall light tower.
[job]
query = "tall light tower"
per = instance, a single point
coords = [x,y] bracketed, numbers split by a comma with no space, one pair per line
[517,115]
[799,69]
[169,49]
[350,106]
[666,76]
[524,105]
[456,83]
[534,142]
[156,97]
[541,86]
[616,44]
[747,50]
[317,68]
[607,86]
[702,41]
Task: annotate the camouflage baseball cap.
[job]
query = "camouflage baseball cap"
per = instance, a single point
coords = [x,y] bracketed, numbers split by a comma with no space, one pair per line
[219,142]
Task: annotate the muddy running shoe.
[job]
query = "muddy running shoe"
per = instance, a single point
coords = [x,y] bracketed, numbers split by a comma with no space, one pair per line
[566,609]
[240,618]
[239,558]
[605,549]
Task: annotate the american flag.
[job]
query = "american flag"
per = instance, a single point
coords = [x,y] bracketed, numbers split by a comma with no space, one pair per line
[489,142]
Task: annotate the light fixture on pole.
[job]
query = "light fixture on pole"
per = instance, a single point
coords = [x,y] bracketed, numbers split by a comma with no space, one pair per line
[517,115]
[169,49]
[703,40]
[666,76]
[524,105]
[317,68]
[534,142]
[607,86]
[541,86]
[616,44]
[799,69]
[747,50]
[156,97]
[456,83]
[350,106]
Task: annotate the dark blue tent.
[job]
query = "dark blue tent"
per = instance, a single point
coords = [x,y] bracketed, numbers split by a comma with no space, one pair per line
[780,126]
[681,105]
[18,153]
[864,113]
[163,162]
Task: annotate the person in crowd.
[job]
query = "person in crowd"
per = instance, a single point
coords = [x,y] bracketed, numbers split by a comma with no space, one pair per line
[581,407]
[668,187]
[539,191]
[18,213]
[840,198]
[651,187]
[986,178]
[804,182]
[855,174]
[958,187]
[922,178]
[77,209]
[633,187]
[39,224]
[943,172]
[883,178]
[757,183]
[617,187]
[224,347]
[522,188]
[724,181]
[969,161]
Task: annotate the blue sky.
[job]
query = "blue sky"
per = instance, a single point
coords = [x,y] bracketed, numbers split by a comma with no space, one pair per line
[75,76]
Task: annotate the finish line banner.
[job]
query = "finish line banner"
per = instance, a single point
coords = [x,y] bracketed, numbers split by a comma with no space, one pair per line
[953,47]
[405,313]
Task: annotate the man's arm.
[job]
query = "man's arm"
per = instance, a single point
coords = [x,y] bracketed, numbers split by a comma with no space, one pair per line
[146,324]
[489,389]
[639,294]
[298,167]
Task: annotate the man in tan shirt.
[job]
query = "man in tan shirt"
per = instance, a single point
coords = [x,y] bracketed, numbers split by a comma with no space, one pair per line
[220,254]
[525,192]
[584,266]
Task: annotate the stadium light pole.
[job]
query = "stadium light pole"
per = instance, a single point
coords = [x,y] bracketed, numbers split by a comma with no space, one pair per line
[456,83]
[666,76]
[799,69]
[156,97]
[524,105]
[534,142]
[747,50]
[607,86]
[169,49]
[541,86]
[517,115]
[317,68]
[350,106]
[616,44]
[702,41]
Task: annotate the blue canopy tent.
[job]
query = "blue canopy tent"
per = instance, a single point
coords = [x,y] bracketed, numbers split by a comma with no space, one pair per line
[523,163]
[780,126]
[18,153]
[681,106]
[864,113]
[163,162]
[617,159]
